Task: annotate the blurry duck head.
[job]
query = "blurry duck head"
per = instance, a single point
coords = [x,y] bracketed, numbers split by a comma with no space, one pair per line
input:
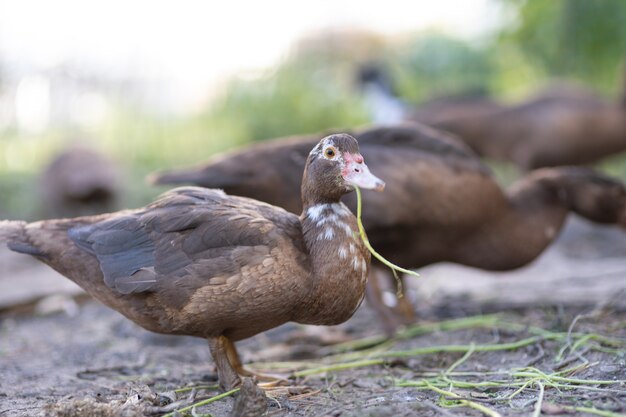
[594,195]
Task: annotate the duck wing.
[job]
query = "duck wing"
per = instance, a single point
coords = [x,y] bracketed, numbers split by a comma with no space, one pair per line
[189,238]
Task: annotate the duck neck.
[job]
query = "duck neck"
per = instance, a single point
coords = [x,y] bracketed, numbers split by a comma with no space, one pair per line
[528,220]
[339,262]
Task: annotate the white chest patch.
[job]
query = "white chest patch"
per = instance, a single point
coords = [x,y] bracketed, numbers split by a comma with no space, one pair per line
[315,212]
[340,209]
[327,234]
[330,223]
[346,228]
[329,219]
[359,265]
[327,211]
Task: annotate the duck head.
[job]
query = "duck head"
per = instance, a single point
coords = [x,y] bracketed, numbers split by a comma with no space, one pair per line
[333,168]
[594,196]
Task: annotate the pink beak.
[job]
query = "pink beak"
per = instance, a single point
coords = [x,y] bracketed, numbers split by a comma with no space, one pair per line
[357,173]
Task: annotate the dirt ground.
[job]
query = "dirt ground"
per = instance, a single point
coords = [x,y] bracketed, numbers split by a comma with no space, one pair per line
[556,345]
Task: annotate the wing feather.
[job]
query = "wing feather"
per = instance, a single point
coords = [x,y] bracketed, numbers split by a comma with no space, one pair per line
[189,234]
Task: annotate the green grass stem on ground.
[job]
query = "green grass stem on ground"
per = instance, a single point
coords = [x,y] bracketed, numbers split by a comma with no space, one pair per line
[498,387]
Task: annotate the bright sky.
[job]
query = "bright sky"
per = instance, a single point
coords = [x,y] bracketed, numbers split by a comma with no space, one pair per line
[194,42]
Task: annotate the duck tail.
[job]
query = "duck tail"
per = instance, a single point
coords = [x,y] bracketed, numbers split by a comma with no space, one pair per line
[13,234]
[11,230]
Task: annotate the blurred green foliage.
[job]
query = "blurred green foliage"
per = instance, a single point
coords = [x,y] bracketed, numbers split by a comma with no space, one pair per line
[298,97]
[435,64]
[583,39]
[313,90]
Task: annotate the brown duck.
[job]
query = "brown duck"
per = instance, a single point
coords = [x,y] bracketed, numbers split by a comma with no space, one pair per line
[79,181]
[199,262]
[441,203]
[462,115]
[561,126]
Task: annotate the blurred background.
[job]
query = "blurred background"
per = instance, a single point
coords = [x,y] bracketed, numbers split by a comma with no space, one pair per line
[155,85]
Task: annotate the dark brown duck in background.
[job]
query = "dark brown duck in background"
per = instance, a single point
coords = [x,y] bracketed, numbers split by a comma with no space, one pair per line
[79,181]
[563,125]
[463,116]
[560,126]
[466,115]
[441,203]
[468,108]
[387,108]
[199,262]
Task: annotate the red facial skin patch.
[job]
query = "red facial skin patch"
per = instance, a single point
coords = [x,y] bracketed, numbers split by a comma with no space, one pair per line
[350,159]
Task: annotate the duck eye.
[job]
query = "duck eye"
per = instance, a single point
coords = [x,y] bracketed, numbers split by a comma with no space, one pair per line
[329,152]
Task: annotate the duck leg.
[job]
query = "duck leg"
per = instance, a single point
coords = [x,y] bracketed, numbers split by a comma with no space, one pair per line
[226,372]
[402,313]
[404,309]
[235,361]
[374,295]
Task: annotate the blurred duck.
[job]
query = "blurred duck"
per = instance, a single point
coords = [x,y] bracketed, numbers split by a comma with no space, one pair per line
[387,108]
[462,115]
[79,181]
[382,102]
[441,203]
[563,125]
[202,263]
[469,106]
